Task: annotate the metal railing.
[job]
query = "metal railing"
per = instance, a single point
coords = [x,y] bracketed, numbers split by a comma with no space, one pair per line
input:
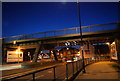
[75,30]
[65,71]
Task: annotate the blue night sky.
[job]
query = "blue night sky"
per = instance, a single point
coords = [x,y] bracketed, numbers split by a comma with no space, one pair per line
[21,18]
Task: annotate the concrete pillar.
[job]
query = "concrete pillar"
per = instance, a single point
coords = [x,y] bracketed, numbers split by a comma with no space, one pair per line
[37,51]
[55,55]
[3,52]
[117,41]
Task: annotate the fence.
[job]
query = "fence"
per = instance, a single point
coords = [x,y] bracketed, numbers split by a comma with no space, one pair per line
[60,72]
[75,30]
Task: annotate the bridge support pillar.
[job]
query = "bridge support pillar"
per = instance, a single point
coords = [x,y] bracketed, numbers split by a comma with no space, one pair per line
[37,51]
[3,56]
[117,41]
[55,55]
[118,49]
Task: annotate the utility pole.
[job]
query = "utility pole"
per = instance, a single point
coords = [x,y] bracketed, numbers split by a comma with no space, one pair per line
[79,21]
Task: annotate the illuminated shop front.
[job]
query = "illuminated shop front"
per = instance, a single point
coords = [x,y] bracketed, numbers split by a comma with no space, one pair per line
[113,51]
[15,56]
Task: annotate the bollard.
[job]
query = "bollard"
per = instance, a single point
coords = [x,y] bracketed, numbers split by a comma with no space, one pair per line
[73,67]
[54,73]
[33,76]
[76,66]
[67,71]
[80,64]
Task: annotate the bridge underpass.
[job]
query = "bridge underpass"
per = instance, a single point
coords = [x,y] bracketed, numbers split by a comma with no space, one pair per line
[93,38]
[90,35]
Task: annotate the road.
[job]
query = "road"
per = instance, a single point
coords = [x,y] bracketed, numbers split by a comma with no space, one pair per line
[60,72]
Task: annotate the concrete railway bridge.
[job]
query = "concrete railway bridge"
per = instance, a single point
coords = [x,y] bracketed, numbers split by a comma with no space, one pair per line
[93,34]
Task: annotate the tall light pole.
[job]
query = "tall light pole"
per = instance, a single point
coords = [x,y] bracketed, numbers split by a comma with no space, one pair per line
[79,21]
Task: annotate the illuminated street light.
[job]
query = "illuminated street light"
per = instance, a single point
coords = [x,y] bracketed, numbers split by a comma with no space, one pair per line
[14,42]
[67,48]
[51,51]
[58,52]
[78,52]
[67,43]
[113,43]
[108,43]
[74,42]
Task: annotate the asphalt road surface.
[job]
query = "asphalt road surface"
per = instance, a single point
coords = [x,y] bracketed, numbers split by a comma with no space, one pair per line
[60,72]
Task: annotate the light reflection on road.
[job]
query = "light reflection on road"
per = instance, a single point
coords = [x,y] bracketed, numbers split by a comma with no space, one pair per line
[10,67]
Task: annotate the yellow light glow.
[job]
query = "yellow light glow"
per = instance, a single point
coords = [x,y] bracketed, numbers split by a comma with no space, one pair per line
[67,48]
[18,51]
[78,54]
[14,42]
[113,43]
[51,51]
[108,43]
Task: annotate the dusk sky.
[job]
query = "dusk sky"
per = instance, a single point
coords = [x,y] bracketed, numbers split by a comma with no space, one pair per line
[21,18]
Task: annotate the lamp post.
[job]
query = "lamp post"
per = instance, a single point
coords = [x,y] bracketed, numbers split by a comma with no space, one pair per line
[79,21]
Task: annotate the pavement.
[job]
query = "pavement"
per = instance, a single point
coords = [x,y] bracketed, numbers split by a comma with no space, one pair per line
[100,71]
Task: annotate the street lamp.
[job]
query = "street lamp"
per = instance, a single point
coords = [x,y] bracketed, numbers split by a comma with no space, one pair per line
[79,21]
[14,42]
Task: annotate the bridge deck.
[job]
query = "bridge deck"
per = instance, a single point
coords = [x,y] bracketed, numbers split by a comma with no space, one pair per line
[100,33]
[70,32]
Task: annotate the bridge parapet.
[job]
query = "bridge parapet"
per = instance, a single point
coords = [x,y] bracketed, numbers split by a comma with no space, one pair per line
[69,31]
